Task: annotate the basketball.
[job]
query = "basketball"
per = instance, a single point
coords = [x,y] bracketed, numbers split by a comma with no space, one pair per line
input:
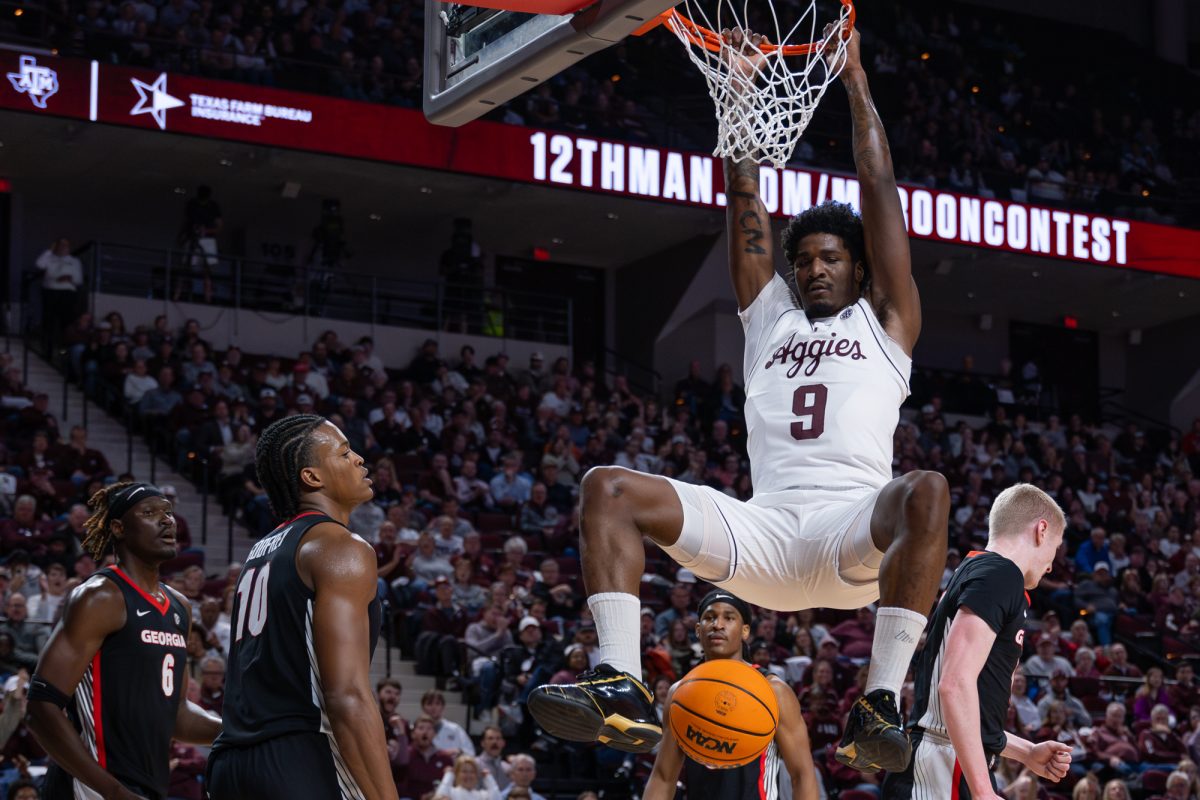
[723,714]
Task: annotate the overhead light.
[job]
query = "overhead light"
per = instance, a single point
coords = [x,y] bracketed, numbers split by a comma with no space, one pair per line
[179,190]
[556,240]
[943,267]
[612,215]
[1135,336]
[374,217]
[1116,314]
[426,190]
[970,295]
[1036,274]
[1183,294]
[225,162]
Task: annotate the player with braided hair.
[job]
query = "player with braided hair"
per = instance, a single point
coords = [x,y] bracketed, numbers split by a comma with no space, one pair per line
[300,718]
[116,663]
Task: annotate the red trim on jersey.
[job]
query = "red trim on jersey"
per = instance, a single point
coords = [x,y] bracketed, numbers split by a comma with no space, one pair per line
[956,780]
[97,712]
[162,607]
[301,514]
[762,774]
[973,553]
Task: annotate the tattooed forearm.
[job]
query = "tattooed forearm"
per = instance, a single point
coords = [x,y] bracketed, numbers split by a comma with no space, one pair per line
[871,154]
[752,231]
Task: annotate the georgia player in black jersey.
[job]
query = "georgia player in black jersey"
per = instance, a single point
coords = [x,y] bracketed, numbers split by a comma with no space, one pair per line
[301,720]
[723,629]
[116,663]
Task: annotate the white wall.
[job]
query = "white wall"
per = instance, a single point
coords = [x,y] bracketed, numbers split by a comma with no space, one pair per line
[286,336]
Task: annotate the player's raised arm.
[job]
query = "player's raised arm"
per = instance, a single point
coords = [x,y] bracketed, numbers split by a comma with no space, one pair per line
[343,576]
[893,293]
[751,265]
[93,611]
[791,737]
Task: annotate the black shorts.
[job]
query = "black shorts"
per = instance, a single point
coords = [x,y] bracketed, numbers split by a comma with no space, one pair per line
[295,766]
[60,785]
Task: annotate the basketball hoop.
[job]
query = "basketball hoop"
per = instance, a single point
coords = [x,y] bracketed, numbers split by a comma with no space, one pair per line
[761,117]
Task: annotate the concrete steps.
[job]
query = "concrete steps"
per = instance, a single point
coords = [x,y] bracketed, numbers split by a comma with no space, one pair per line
[110,436]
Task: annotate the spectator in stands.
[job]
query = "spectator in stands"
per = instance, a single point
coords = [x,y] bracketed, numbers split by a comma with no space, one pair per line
[467,593]
[43,607]
[1059,692]
[1151,693]
[449,735]
[486,639]
[1112,744]
[537,515]
[197,238]
[1159,744]
[446,542]
[1185,693]
[523,771]
[510,489]
[1091,551]
[1120,667]
[442,628]
[160,401]
[1058,725]
[491,757]
[137,383]
[25,530]
[28,637]
[426,565]
[62,278]
[1098,597]
[426,764]
[857,634]
[1040,666]
[1026,709]
[680,599]
[463,782]
[212,683]
[531,661]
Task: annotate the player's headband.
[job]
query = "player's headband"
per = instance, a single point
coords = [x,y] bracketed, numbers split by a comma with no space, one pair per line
[129,497]
[722,596]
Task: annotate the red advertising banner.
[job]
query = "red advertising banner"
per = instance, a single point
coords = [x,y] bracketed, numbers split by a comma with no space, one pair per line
[261,115]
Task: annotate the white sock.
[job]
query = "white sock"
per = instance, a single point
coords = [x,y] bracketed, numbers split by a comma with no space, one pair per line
[897,632]
[618,619]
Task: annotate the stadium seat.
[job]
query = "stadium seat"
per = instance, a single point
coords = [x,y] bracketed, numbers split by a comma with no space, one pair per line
[1154,781]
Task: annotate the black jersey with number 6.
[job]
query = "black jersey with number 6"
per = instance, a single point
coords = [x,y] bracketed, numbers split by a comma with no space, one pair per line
[125,706]
[273,682]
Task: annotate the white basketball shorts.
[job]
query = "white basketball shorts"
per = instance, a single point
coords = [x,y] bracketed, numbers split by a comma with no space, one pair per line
[790,550]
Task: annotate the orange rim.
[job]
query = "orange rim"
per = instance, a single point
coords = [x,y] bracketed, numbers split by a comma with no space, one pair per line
[703,37]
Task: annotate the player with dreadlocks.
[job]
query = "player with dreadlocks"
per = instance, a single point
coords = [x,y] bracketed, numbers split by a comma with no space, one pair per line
[300,717]
[116,662]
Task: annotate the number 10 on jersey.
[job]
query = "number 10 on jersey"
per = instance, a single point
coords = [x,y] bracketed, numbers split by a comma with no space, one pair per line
[252,602]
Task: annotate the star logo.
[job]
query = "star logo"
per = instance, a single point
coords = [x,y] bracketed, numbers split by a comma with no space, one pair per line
[40,83]
[154,100]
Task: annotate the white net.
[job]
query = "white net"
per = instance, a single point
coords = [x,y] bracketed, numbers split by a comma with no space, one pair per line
[762,116]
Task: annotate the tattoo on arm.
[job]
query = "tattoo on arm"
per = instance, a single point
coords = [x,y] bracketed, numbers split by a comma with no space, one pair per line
[871,153]
[752,230]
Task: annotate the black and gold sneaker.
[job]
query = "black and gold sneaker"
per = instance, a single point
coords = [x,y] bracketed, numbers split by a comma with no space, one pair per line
[604,705]
[874,738]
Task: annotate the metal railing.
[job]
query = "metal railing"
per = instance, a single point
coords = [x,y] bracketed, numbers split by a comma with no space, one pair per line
[301,290]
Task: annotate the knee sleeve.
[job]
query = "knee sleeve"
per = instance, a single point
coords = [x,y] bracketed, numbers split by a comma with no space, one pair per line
[858,558]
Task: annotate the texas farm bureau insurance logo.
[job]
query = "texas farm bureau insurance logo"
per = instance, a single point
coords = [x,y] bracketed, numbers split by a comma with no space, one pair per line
[38,82]
[156,100]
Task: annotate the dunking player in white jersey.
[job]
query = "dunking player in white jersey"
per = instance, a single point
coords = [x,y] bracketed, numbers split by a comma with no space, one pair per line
[827,526]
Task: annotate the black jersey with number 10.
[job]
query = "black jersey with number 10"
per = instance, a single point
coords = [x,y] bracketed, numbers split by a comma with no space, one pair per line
[273,682]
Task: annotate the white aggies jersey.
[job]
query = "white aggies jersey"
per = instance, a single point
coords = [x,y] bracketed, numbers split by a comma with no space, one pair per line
[822,395]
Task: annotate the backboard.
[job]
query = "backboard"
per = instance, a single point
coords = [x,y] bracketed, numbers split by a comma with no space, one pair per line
[477,58]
